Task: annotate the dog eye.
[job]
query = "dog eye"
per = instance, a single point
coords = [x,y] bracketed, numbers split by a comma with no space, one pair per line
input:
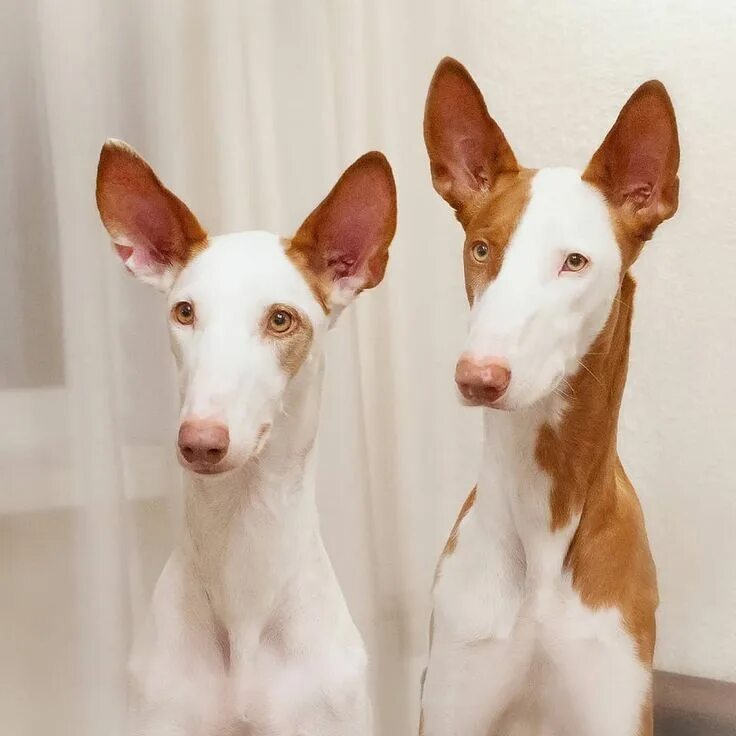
[280,321]
[183,313]
[480,251]
[575,262]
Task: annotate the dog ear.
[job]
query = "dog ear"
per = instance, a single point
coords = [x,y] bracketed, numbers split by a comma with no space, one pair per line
[343,245]
[467,149]
[636,165]
[153,231]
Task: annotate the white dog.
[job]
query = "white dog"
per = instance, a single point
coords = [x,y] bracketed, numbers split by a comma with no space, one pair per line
[249,632]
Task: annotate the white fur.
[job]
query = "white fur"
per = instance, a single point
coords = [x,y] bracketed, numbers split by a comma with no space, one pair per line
[251,574]
[227,371]
[515,651]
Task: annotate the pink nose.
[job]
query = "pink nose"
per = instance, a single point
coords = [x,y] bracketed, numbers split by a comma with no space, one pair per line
[203,441]
[482,381]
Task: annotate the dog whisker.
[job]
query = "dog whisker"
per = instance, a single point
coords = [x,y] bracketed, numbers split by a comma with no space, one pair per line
[597,380]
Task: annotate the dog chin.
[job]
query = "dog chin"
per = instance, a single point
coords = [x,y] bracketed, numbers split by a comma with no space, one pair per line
[499,404]
[202,469]
[486,400]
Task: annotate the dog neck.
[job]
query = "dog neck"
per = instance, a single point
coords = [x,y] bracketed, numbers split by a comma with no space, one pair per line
[248,528]
[541,465]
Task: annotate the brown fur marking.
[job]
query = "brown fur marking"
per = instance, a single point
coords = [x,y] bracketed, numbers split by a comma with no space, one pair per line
[635,168]
[293,346]
[609,555]
[494,224]
[451,544]
[318,285]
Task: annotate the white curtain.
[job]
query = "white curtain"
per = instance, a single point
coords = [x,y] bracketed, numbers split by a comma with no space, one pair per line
[249,110]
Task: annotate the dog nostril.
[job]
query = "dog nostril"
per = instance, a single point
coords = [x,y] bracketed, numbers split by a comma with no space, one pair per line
[203,441]
[485,379]
[495,376]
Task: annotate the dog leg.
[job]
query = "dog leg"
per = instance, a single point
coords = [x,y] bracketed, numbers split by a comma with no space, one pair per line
[177,666]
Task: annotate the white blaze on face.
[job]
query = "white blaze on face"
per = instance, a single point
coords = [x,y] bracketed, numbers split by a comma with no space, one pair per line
[538,318]
[230,370]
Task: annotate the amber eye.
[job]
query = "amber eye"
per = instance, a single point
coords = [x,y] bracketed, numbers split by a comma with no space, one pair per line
[575,262]
[183,313]
[280,321]
[480,251]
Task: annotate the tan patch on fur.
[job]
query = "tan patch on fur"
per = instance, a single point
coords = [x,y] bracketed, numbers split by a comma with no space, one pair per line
[196,247]
[451,544]
[636,170]
[292,347]
[494,224]
[303,260]
[609,556]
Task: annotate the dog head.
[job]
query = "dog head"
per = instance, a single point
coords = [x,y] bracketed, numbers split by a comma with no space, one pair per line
[545,251]
[247,311]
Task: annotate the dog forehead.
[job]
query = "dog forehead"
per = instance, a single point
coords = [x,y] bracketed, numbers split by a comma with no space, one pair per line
[252,265]
[564,212]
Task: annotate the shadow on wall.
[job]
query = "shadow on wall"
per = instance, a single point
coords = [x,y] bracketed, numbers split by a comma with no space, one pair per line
[693,706]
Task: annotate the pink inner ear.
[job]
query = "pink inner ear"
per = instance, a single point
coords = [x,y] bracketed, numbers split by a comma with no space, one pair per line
[124,251]
[466,147]
[458,128]
[638,160]
[150,227]
[350,234]
[345,240]
[646,165]
[357,221]
[641,176]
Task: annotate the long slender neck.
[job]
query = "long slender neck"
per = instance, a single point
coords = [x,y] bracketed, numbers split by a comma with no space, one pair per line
[566,445]
[273,491]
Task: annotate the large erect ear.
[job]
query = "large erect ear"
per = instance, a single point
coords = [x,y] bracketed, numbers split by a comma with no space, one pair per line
[467,149]
[636,165]
[154,232]
[342,246]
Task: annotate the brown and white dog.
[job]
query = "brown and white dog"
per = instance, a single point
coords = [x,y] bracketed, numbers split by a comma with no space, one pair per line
[545,594]
[249,632]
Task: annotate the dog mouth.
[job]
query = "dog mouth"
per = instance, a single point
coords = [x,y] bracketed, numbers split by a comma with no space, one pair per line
[199,468]
[481,396]
[203,470]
